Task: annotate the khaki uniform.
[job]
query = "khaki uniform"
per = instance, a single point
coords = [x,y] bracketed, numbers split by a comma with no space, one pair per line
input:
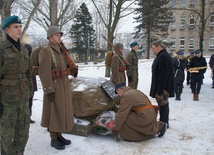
[57,113]
[136,126]
[108,63]
[133,69]
[118,69]
[15,88]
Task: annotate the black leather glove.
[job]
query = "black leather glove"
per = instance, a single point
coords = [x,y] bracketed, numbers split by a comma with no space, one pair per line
[51,97]
[1,109]
[129,78]
[75,72]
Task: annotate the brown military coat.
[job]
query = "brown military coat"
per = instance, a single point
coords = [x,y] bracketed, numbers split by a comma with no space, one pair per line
[136,126]
[117,76]
[57,114]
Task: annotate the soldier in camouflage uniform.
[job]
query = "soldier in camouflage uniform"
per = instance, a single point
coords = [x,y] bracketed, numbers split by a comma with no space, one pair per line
[15,89]
[132,72]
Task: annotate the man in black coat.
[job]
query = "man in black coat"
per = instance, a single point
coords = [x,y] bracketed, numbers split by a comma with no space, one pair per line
[197,75]
[179,64]
[211,63]
[162,79]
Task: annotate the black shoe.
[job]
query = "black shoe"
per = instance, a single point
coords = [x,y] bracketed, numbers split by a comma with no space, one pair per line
[57,144]
[32,121]
[64,141]
[163,130]
[167,125]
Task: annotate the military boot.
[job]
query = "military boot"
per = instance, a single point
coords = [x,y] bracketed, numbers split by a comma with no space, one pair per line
[178,97]
[57,144]
[195,97]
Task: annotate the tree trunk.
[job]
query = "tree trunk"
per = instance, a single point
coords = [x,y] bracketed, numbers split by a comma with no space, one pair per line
[53,12]
[202,29]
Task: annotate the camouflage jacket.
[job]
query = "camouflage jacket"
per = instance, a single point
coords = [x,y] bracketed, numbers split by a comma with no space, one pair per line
[133,60]
[15,78]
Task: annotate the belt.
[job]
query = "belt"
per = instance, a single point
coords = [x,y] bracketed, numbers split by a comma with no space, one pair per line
[143,108]
[13,76]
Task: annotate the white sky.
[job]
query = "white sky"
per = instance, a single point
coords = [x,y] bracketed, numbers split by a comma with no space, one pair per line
[191,122]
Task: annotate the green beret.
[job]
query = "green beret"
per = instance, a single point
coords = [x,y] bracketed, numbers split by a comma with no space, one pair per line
[10,20]
[133,44]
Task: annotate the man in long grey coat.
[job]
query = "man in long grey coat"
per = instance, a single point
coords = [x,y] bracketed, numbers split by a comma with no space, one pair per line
[136,117]
[57,114]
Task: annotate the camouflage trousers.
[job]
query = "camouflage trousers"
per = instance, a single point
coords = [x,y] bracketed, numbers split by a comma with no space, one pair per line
[134,82]
[108,72]
[14,126]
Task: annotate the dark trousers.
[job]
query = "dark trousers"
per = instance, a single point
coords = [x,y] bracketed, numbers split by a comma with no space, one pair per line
[178,87]
[188,78]
[196,86]
[164,113]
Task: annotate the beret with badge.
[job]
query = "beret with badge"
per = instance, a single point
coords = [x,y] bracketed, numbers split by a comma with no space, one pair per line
[10,20]
[133,44]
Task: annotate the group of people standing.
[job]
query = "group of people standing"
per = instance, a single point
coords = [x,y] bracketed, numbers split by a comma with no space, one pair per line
[17,88]
[195,65]
[136,118]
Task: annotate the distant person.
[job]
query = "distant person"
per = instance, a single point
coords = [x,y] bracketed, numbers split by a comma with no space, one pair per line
[188,78]
[162,84]
[197,62]
[136,118]
[34,83]
[132,72]
[57,112]
[179,65]
[118,65]
[109,56]
[211,63]
[15,89]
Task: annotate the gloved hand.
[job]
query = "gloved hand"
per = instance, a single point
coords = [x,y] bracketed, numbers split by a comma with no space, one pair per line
[129,78]
[114,132]
[1,109]
[75,71]
[51,97]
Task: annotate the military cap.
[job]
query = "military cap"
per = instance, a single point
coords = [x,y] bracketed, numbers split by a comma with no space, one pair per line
[53,30]
[180,53]
[120,85]
[197,51]
[10,20]
[133,44]
[192,52]
[118,46]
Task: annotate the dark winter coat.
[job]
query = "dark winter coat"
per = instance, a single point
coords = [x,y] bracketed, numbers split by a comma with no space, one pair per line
[198,62]
[211,62]
[162,74]
[178,69]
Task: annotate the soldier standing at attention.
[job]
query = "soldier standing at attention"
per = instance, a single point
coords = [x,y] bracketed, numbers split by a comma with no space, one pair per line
[109,56]
[57,112]
[132,72]
[15,89]
[118,65]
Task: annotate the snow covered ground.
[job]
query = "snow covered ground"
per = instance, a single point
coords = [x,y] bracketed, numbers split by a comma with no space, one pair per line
[191,129]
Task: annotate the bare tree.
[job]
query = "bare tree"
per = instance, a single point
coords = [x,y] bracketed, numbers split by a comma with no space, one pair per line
[116,10]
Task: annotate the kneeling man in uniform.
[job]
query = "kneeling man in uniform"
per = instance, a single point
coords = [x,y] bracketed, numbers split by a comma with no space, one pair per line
[136,117]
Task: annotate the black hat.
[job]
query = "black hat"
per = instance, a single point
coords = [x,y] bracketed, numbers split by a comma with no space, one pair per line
[29,47]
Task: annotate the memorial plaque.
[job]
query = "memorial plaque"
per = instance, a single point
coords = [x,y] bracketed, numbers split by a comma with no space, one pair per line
[109,88]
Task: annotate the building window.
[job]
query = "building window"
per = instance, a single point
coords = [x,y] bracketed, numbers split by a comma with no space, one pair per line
[173,43]
[212,20]
[182,22]
[191,43]
[173,2]
[183,3]
[191,21]
[182,43]
[192,3]
[173,24]
[211,46]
